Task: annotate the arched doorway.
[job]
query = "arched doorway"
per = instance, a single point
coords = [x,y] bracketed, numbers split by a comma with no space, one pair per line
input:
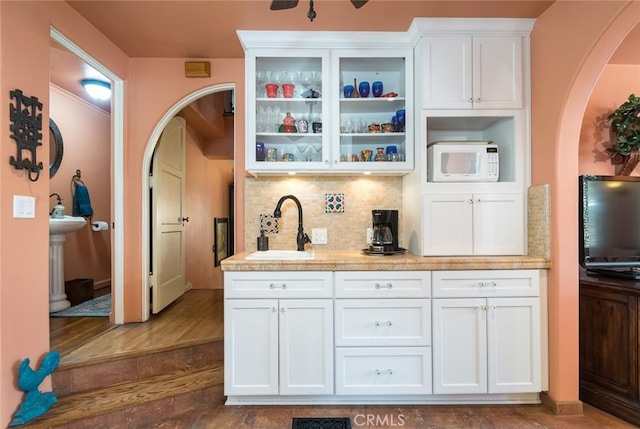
[147,162]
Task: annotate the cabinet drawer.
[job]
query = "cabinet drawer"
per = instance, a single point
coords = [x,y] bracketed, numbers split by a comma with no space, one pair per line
[485,283]
[383,370]
[383,322]
[278,284]
[383,284]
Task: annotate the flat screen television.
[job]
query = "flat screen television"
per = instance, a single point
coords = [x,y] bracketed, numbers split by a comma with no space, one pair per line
[609,224]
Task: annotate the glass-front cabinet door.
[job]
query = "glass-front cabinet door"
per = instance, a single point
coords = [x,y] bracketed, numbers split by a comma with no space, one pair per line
[372,110]
[287,111]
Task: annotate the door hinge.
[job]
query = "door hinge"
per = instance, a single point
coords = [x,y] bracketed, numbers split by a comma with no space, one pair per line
[152,280]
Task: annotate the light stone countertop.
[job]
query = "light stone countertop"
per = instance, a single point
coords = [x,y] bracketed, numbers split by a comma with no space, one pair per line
[355,260]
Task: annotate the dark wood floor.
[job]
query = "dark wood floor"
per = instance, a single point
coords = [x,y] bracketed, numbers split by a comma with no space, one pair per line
[198,316]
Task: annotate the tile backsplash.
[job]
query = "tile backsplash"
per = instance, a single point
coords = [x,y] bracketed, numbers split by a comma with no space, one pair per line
[346,224]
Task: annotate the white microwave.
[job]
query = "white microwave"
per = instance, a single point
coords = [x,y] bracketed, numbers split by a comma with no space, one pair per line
[463,161]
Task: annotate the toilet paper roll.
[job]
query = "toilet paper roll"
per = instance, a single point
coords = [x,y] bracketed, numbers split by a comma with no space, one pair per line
[99,226]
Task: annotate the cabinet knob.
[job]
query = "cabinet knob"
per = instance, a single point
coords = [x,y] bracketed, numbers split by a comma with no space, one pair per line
[274,309]
[282,309]
[477,100]
[470,201]
[483,307]
[470,100]
[478,201]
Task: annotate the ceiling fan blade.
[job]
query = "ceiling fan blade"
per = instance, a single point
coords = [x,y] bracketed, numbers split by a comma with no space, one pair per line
[283,4]
[358,3]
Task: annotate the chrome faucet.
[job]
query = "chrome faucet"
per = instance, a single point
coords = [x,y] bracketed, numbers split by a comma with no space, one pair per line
[301,238]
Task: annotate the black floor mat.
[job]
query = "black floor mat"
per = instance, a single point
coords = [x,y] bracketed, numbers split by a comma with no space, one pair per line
[321,423]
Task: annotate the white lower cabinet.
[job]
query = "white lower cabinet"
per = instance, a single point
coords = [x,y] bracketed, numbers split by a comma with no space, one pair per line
[383,332]
[344,336]
[279,347]
[486,345]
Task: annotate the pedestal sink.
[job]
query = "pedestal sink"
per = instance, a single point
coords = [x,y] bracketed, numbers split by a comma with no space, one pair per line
[58,230]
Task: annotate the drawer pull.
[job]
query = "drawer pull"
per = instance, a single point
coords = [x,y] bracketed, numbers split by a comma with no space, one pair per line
[387,323]
[384,371]
[487,284]
[277,286]
[386,286]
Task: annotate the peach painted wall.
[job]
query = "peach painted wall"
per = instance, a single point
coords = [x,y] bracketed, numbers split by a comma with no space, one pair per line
[207,196]
[24,264]
[568,55]
[24,243]
[613,88]
[86,133]
[155,86]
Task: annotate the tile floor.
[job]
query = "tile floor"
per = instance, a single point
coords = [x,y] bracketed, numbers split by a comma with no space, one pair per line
[219,416]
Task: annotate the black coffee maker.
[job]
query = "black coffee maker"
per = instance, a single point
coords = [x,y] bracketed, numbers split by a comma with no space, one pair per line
[385,232]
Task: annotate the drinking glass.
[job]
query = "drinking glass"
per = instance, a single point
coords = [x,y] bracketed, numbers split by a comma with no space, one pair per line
[317,151]
[277,119]
[303,152]
[261,120]
[261,80]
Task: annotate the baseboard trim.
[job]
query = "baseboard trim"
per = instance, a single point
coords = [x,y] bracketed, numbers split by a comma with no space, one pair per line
[561,408]
[102,284]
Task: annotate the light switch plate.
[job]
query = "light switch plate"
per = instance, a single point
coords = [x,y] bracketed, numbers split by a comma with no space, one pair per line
[24,207]
[319,236]
[369,235]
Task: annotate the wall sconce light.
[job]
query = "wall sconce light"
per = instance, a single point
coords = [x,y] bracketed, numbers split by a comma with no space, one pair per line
[97,89]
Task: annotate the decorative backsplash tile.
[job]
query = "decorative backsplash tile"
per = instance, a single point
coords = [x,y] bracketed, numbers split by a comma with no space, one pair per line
[538,215]
[334,203]
[348,231]
[268,223]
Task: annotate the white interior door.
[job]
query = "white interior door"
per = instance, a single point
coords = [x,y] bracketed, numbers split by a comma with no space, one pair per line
[167,211]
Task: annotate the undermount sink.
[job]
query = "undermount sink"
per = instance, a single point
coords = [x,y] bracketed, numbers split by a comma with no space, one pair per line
[281,255]
[65,225]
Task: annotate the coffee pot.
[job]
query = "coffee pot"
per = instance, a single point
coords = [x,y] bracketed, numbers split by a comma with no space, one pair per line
[385,231]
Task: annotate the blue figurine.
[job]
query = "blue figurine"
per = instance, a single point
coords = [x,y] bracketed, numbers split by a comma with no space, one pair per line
[35,402]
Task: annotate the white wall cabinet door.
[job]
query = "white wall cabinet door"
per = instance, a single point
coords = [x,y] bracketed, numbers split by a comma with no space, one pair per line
[446,74]
[306,347]
[514,339]
[473,224]
[463,72]
[448,224]
[488,345]
[251,347]
[459,346]
[497,72]
[498,224]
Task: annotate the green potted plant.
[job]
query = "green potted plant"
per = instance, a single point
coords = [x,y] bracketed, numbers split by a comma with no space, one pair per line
[625,127]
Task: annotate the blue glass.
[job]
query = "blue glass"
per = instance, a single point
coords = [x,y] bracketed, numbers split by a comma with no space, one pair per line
[363,87]
[376,88]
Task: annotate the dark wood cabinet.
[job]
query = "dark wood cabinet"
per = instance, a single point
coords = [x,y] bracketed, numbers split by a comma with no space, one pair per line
[609,310]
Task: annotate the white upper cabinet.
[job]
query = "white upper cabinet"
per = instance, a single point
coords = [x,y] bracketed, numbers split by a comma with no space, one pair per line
[461,72]
[472,63]
[374,125]
[298,118]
